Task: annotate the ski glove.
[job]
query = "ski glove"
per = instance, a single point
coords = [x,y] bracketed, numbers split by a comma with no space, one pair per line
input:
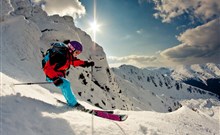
[57,81]
[88,64]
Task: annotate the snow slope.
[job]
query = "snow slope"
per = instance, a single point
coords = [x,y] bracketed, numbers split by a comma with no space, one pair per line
[30,110]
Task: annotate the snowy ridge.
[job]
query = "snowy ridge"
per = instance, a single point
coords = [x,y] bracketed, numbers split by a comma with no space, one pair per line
[204,76]
[160,84]
[197,71]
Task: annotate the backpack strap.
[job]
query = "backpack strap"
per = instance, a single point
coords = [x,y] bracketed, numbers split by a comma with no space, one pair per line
[56,52]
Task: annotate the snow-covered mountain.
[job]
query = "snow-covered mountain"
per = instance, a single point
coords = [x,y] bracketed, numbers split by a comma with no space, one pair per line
[200,72]
[26,29]
[160,84]
[204,76]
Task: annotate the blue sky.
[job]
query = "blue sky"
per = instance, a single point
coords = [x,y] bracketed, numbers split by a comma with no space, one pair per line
[128,26]
[148,32]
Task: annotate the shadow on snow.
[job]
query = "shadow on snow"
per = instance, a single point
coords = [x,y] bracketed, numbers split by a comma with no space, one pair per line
[23,116]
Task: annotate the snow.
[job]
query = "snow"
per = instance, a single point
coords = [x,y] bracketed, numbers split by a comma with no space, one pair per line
[33,109]
[201,72]
[29,110]
[153,82]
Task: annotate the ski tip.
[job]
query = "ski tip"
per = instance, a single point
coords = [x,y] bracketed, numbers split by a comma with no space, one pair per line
[123,117]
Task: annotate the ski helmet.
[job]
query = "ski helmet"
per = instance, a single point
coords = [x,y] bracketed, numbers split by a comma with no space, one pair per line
[74,45]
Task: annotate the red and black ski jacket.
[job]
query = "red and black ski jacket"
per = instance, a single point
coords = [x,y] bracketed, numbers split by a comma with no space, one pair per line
[59,63]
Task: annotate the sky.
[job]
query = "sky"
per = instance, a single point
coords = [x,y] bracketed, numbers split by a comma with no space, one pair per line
[148,32]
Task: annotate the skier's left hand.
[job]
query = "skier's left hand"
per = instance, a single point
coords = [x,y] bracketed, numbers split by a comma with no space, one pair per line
[88,64]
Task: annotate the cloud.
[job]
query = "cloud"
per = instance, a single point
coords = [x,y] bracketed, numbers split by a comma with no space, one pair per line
[140,61]
[140,31]
[198,45]
[200,9]
[72,8]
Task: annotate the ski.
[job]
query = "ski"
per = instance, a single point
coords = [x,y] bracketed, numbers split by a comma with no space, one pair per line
[110,116]
[108,111]
[106,114]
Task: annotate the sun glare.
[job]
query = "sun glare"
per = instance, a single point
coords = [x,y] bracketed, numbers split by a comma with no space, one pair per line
[94,26]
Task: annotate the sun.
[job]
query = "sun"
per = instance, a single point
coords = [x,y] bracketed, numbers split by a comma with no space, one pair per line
[94,26]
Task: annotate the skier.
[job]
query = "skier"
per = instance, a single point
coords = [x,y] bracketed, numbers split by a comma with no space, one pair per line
[57,61]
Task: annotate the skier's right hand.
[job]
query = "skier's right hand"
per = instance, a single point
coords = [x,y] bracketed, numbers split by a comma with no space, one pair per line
[57,81]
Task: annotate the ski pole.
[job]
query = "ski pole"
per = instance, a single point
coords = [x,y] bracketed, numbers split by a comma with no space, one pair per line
[92,113]
[92,73]
[31,83]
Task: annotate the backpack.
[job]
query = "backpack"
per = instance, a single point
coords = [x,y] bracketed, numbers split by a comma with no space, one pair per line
[57,53]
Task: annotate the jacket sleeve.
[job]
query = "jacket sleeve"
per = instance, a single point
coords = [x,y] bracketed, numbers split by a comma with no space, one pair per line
[77,62]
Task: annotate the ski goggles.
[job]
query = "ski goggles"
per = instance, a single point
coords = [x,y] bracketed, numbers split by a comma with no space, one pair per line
[77,52]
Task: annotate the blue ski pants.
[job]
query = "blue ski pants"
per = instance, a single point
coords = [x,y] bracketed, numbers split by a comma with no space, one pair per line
[66,91]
